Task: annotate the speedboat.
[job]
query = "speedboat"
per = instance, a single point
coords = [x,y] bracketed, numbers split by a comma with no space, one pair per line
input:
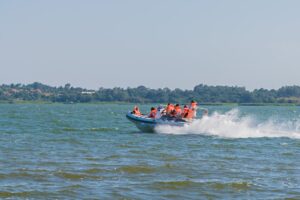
[146,124]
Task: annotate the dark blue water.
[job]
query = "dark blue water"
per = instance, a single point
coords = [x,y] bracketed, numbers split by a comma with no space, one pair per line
[90,151]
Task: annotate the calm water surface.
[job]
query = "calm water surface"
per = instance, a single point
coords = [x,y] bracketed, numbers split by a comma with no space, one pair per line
[92,152]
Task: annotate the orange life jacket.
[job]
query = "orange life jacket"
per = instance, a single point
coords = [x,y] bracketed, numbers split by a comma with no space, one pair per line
[190,114]
[173,113]
[178,110]
[185,112]
[169,108]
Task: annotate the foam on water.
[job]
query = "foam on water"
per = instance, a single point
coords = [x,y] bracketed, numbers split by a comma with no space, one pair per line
[233,125]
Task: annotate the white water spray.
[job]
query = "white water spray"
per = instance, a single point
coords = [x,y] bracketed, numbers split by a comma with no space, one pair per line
[231,125]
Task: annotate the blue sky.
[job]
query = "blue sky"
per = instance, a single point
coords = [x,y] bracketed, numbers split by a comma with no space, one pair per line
[166,43]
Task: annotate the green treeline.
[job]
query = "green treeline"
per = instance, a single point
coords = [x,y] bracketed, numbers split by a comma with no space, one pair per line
[201,93]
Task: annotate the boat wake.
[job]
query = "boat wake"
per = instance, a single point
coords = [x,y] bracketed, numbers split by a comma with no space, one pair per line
[232,125]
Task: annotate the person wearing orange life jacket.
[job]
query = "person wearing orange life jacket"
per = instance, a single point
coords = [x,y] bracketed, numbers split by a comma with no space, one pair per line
[190,114]
[169,108]
[152,112]
[173,113]
[185,111]
[178,110]
[136,111]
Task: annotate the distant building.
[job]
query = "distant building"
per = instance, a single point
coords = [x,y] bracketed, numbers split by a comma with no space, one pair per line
[88,92]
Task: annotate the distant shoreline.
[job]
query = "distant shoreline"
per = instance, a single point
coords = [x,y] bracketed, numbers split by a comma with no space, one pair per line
[133,103]
[209,95]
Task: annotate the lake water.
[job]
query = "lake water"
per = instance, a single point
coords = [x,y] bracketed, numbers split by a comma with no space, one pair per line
[91,151]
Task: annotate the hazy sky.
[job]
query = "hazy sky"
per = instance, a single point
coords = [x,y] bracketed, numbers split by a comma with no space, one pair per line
[163,43]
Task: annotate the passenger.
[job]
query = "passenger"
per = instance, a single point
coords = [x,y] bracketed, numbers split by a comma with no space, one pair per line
[194,107]
[173,113]
[193,104]
[159,111]
[185,111]
[178,111]
[152,112]
[172,107]
[169,108]
[190,114]
[136,111]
